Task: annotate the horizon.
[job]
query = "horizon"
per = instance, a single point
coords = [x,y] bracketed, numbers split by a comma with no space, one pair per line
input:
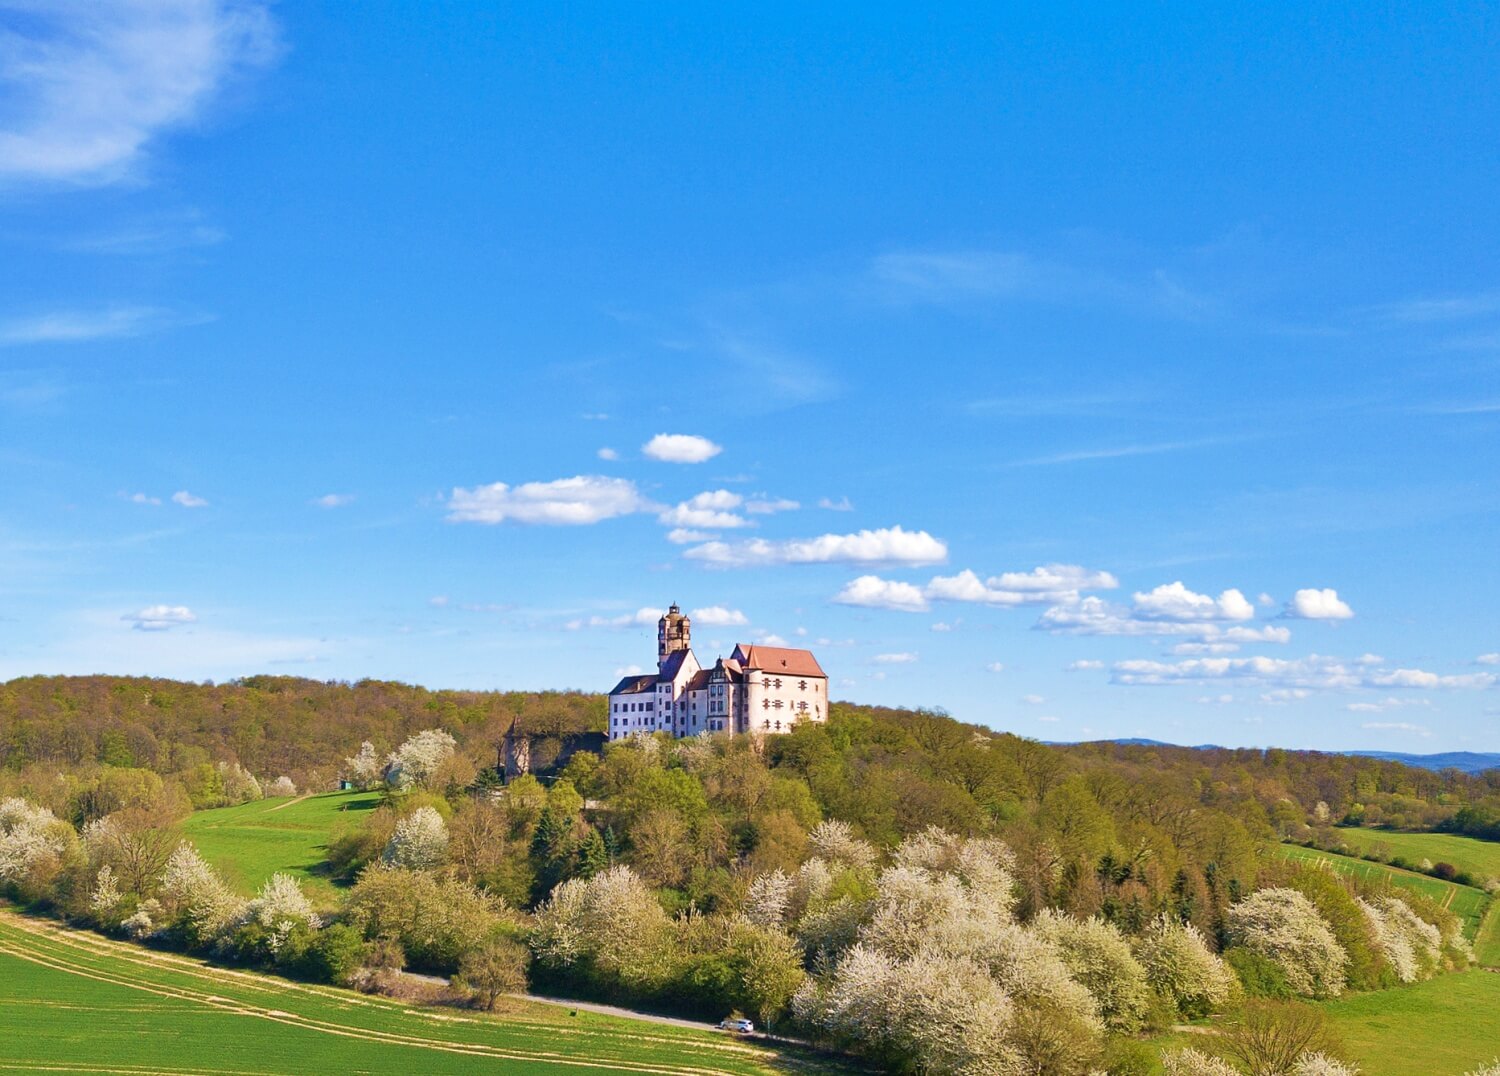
[1085,377]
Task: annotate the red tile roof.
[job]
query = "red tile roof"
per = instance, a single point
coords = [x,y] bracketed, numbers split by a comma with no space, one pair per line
[780,659]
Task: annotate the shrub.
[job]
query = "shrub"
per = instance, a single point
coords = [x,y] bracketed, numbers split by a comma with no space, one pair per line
[495,967]
[196,898]
[1260,976]
[1270,1038]
[1191,1062]
[1180,966]
[419,841]
[434,920]
[1411,944]
[1099,958]
[1284,926]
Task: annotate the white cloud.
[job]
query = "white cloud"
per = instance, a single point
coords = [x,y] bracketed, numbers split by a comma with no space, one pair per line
[1055,578]
[92,84]
[1314,672]
[1388,703]
[873,592]
[575,501]
[1084,665]
[1283,695]
[1312,604]
[1398,726]
[643,617]
[160,617]
[1197,649]
[680,448]
[716,616]
[1174,601]
[188,500]
[995,667]
[143,498]
[1033,700]
[1214,700]
[1048,718]
[1270,633]
[767,506]
[1488,659]
[888,545]
[843,504]
[628,670]
[770,638]
[438,601]
[334,500]
[687,536]
[607,454]
[710,510]
[940,626]
[74,326]
[902,658]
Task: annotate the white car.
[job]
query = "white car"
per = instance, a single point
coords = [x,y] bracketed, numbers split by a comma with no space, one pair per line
[742,1027]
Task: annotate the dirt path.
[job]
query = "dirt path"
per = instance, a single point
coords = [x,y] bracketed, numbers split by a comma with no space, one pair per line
[584,1006]
[288,803]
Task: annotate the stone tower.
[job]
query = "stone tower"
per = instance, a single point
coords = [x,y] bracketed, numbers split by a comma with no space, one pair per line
[673,633]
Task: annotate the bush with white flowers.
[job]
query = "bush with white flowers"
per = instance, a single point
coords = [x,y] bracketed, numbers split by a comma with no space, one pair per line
[419,842]
[1284,926]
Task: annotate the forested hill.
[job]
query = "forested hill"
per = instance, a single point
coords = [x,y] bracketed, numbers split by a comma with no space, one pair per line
[306,728]
[268,724]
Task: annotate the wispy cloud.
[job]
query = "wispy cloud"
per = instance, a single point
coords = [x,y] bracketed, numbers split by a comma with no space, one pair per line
[91,84]
[72,326]
[1115,452]
[887,545]
[576,501]
[188,500]
[333,500]
[160,617]
[1440,309]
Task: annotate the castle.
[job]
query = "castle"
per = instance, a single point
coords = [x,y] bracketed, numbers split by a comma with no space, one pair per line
[755,690]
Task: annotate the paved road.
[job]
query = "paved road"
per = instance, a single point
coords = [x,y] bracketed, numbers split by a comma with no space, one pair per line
[585,1006]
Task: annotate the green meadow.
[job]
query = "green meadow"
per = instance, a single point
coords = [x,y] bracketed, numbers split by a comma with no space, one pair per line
[1443,1027]
[253,841]
[1465,901]
[71,1001]
[1479,858]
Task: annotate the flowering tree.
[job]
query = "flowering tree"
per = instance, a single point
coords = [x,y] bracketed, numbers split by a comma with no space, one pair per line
[28,835]
[193,892]
[282,786]
[835,842]
[240,785]
[363,769]
[611,922]
[929,1013]
[768,899]
[1283,926]
[1099,958]
[419,841]
[1180,966]
[104,894]
[1191,1062]
[1411,944]
[415,761]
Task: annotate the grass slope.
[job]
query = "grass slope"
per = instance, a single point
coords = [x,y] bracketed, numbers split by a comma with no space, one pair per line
[1479,858]
[1443,1027]
[251,842]
[1464,901]
[71,1001]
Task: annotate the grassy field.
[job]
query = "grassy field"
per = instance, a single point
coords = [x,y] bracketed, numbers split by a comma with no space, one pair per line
[1479,858]
[71,1001]
[1464,901]
[1443,1027]
[253,841]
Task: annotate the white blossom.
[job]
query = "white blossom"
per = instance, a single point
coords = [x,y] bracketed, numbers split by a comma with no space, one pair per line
[1284,926]
[419,841]
[415,761]
[835,841]
[28,833]
[363,769]
[1180,965]
[104,894]
[768,898]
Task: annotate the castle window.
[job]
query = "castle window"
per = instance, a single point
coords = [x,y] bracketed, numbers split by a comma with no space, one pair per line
[778,683]
[801,685]
[777,704]
[765,704]
[765,724]
[778,726]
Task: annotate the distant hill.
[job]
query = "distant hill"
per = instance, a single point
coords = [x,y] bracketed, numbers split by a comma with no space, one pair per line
[1464,761]
[1467,761]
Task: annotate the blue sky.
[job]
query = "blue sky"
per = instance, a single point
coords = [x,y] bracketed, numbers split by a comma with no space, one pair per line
[1085,374]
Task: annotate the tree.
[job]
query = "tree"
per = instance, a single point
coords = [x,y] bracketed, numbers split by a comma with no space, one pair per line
[363,769]
[419,841]
[416,761]
[1180,967]
[1269,1038]
[197,897]
[497,966]
[1284,926]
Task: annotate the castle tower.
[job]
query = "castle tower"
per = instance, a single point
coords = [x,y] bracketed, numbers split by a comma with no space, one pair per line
[673,633]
